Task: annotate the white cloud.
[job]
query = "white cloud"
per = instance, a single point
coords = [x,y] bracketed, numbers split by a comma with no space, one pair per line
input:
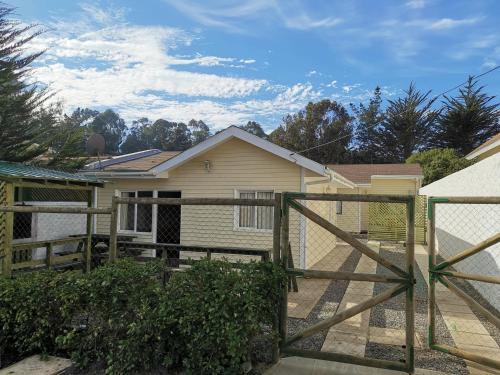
[416,4]
[449,23]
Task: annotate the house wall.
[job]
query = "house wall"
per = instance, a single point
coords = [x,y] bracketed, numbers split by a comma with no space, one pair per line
[459,226]
[235,165]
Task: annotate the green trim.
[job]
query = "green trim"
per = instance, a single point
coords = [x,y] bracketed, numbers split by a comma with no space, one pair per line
[430,204]
[439,348]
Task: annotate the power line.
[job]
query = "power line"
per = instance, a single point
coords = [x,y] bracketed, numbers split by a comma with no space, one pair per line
[437,96]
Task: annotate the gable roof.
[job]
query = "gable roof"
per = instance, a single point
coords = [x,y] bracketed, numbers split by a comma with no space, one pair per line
[363,173]
[141,161]
[488,145]
[235,132]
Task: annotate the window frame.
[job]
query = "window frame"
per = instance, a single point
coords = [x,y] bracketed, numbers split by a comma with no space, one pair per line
[134,231]
[339,208]
[236,221]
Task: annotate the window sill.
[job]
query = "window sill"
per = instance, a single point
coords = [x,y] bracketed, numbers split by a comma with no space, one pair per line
[123,231]
[252,230]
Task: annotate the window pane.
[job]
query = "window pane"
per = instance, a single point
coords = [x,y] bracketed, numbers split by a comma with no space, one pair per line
[264,213]
[144,213]
[127,213]
[247,213]
[339,207]
[22,225]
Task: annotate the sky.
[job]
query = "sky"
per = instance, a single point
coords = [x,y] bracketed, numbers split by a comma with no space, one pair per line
[228,62]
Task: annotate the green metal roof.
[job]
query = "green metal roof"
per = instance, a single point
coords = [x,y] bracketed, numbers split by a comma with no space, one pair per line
[9,170]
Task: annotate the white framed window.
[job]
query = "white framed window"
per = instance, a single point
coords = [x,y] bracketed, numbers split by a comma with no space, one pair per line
[137,218]
[255,217]
[339,207]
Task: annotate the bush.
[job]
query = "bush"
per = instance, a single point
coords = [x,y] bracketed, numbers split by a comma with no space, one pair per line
[121,316]
[217,310]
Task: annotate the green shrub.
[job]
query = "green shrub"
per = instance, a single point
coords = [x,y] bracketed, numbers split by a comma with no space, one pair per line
[121,316]
[217,310]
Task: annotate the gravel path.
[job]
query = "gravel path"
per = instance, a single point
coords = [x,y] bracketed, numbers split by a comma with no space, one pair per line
[326,306]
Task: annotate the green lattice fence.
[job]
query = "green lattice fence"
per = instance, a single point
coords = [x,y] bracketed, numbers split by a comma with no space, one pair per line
[387,222]
[3,199]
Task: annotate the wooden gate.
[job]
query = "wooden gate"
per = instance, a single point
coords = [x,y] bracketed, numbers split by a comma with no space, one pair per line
[464,256]
[400,276]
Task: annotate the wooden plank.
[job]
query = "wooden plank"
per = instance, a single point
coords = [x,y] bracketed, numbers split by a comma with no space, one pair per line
[348,313]
[277,228]
[486,361]
[471,276]
[410,301]
[88,241]
[346,358]
[292,278]
[35,244]
[29,264]
[468,200]
[350,197]
[9,232]
[340,275]
[469,252]
[113,230]
[55,209]
[198,201]
[285,221]
[36,365]
[475,306]
[48,255]
[347,237]
[59,259]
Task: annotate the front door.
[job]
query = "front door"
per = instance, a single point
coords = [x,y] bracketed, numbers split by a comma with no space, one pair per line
[168,229]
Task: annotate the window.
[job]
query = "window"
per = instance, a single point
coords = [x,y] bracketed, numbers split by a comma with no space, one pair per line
[22,225]
[136,217]
[257,217]
[339,207]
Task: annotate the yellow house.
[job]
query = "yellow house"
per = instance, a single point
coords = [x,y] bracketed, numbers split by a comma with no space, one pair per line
[488,148]
[231,164]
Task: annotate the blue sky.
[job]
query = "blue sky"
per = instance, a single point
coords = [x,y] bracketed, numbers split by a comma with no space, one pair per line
[228,62]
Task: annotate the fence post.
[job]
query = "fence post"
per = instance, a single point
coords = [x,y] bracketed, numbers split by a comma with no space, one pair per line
[9,230]
[48,255]
[88,242]
[431,240]
[410,307]
[285,209]
[276,260]
[113,229]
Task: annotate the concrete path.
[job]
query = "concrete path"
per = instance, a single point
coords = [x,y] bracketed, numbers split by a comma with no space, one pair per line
[465,328]
[307,366]
[35,366]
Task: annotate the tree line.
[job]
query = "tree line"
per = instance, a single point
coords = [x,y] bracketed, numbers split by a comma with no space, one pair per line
[408,128]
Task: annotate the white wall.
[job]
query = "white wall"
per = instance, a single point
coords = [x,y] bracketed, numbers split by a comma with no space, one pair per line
[47,226]
[459,226]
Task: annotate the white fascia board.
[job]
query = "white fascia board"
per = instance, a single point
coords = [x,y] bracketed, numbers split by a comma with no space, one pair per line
[336,177]
[235,132]
[482,150]
[396,177]
[120,174]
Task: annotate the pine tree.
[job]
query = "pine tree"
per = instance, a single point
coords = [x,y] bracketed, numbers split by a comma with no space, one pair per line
[407,126]
[369,120]
[26,122]
[468,120]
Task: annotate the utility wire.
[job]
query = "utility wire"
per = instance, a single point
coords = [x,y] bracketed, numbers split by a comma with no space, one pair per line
[437,96]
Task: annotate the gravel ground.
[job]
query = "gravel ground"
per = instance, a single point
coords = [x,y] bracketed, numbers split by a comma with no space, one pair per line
[326,306]
[391,314]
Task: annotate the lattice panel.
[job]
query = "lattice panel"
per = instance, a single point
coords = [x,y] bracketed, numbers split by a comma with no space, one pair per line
[3,201]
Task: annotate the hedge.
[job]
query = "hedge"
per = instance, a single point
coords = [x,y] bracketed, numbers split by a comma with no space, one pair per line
[121,316]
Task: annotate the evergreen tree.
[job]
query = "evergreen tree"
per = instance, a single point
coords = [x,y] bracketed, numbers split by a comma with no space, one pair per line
[255,129]
[369,120]
[317,124]
[136,139]
[199,131]
[468,120]
[26,122]
[112,127]
[408,125]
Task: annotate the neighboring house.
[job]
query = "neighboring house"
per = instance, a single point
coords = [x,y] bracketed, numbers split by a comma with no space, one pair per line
[488,148]
[459,226]
[231,164]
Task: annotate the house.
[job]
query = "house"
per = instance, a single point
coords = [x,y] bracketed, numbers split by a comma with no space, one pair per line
[231,164]
[488,148]
[460,226]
